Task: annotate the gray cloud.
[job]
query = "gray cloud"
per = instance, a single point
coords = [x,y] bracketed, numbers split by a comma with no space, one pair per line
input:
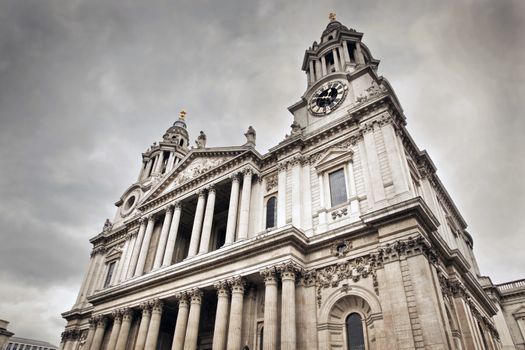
[86,86]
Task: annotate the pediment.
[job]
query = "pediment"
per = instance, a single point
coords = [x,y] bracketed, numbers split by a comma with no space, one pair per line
[196,164]
[332,157]
[520,312]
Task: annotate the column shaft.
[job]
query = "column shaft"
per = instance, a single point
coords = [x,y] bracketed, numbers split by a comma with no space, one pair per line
[136,249]
[297,203]
[127,258]
[85,282]
[182,321]
[208,221]
[270,309]
[323,65]
[143,328]
[163,239]
[144,247]
[197,225]
[154,325]
[281,196]
[172,236]
[232,211]
[192,331]
[221,325]
[245,205]
[235,324]
[123,335]
[160,161]
[120,263]
[147,171]
[288,329]
[114,331]
[312,72]
[99,334]
[90,335]
[336,60]
[345,52]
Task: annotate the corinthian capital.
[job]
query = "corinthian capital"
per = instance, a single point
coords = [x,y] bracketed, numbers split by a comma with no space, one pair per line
[269,274]
[289,270]
[237,284]
[195,295]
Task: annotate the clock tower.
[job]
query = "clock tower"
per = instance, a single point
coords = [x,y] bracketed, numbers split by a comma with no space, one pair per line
[341,73]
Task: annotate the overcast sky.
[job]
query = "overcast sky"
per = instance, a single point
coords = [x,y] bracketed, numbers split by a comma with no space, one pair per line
[86,86]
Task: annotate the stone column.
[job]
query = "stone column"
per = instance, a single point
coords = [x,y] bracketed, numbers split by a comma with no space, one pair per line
[81,294]
[160,160]
[322,205]
[312,71]
[145,246]
[91,334]
[345,52]
[373,170]
[117,321]
[192,331]
[281,194]
[144,325]
[120,264]
[197,224]
[127,317]
[288,326]
[223,306]
[232,211]
[297,203]
[270,309]
[244,216]
[163,239]
[154,325]
[394,157]
[309,311]
[342,58]
[99,333]
[172,236]
[142,170]
[171,161]
[208,221]
[336,60]
[136,248]
[360,58]
[182,321]
[146,171]
[354,202]
[127,256]
[235,324]
[318,70]
[323,66]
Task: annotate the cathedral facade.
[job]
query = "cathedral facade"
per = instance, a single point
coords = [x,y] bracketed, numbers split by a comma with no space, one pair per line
[340,237]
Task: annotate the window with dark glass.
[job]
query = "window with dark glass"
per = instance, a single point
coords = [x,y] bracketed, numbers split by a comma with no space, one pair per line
[271,212]
[111,267]
[355,338]
[337,187]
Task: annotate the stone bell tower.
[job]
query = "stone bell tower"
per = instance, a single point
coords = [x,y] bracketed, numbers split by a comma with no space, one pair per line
[340,73]
[162,157]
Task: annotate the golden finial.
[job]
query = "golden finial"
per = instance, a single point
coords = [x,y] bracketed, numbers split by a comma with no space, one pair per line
[331,16]
[182,114]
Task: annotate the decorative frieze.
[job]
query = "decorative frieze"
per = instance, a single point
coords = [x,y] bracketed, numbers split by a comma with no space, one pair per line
[408,247]
[339,213]
[71,334]
[374,90]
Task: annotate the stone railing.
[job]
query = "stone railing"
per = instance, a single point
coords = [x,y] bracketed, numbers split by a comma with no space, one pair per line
[511,285]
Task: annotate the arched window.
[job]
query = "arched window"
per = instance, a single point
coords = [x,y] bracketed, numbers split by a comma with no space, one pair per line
[271,212]
[355,338]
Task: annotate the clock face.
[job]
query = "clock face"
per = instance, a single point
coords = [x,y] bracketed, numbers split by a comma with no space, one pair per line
[327,98]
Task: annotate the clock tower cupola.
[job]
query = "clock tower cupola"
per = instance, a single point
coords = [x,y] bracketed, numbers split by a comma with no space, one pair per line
[339,70]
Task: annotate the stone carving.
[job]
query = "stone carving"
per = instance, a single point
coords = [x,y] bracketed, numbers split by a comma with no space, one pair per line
[250,136]
[182,298]
[289,270]
[341,248]
[222,288]
[198,167]
[156,305]
[107,226]
[409,247]
[339,213]
[296,128]
[195,295]
[201,140]
[271,182]
[354,269]
[237,284]
[269,274]
[372,91]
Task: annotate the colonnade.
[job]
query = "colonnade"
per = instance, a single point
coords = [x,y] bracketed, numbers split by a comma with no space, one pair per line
[227,334]
[134,257]
[154,164]
[318,67]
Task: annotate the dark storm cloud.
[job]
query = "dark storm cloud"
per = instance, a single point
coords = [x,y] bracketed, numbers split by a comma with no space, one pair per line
[86,86]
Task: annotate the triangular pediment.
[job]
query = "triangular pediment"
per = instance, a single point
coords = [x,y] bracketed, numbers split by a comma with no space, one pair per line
[196,164]
[333,156]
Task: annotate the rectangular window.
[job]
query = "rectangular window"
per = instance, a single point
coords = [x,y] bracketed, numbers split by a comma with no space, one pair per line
[110,274]
[337,187]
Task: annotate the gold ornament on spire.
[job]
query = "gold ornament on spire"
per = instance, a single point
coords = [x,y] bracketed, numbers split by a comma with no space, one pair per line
[182,115]
[331,16]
